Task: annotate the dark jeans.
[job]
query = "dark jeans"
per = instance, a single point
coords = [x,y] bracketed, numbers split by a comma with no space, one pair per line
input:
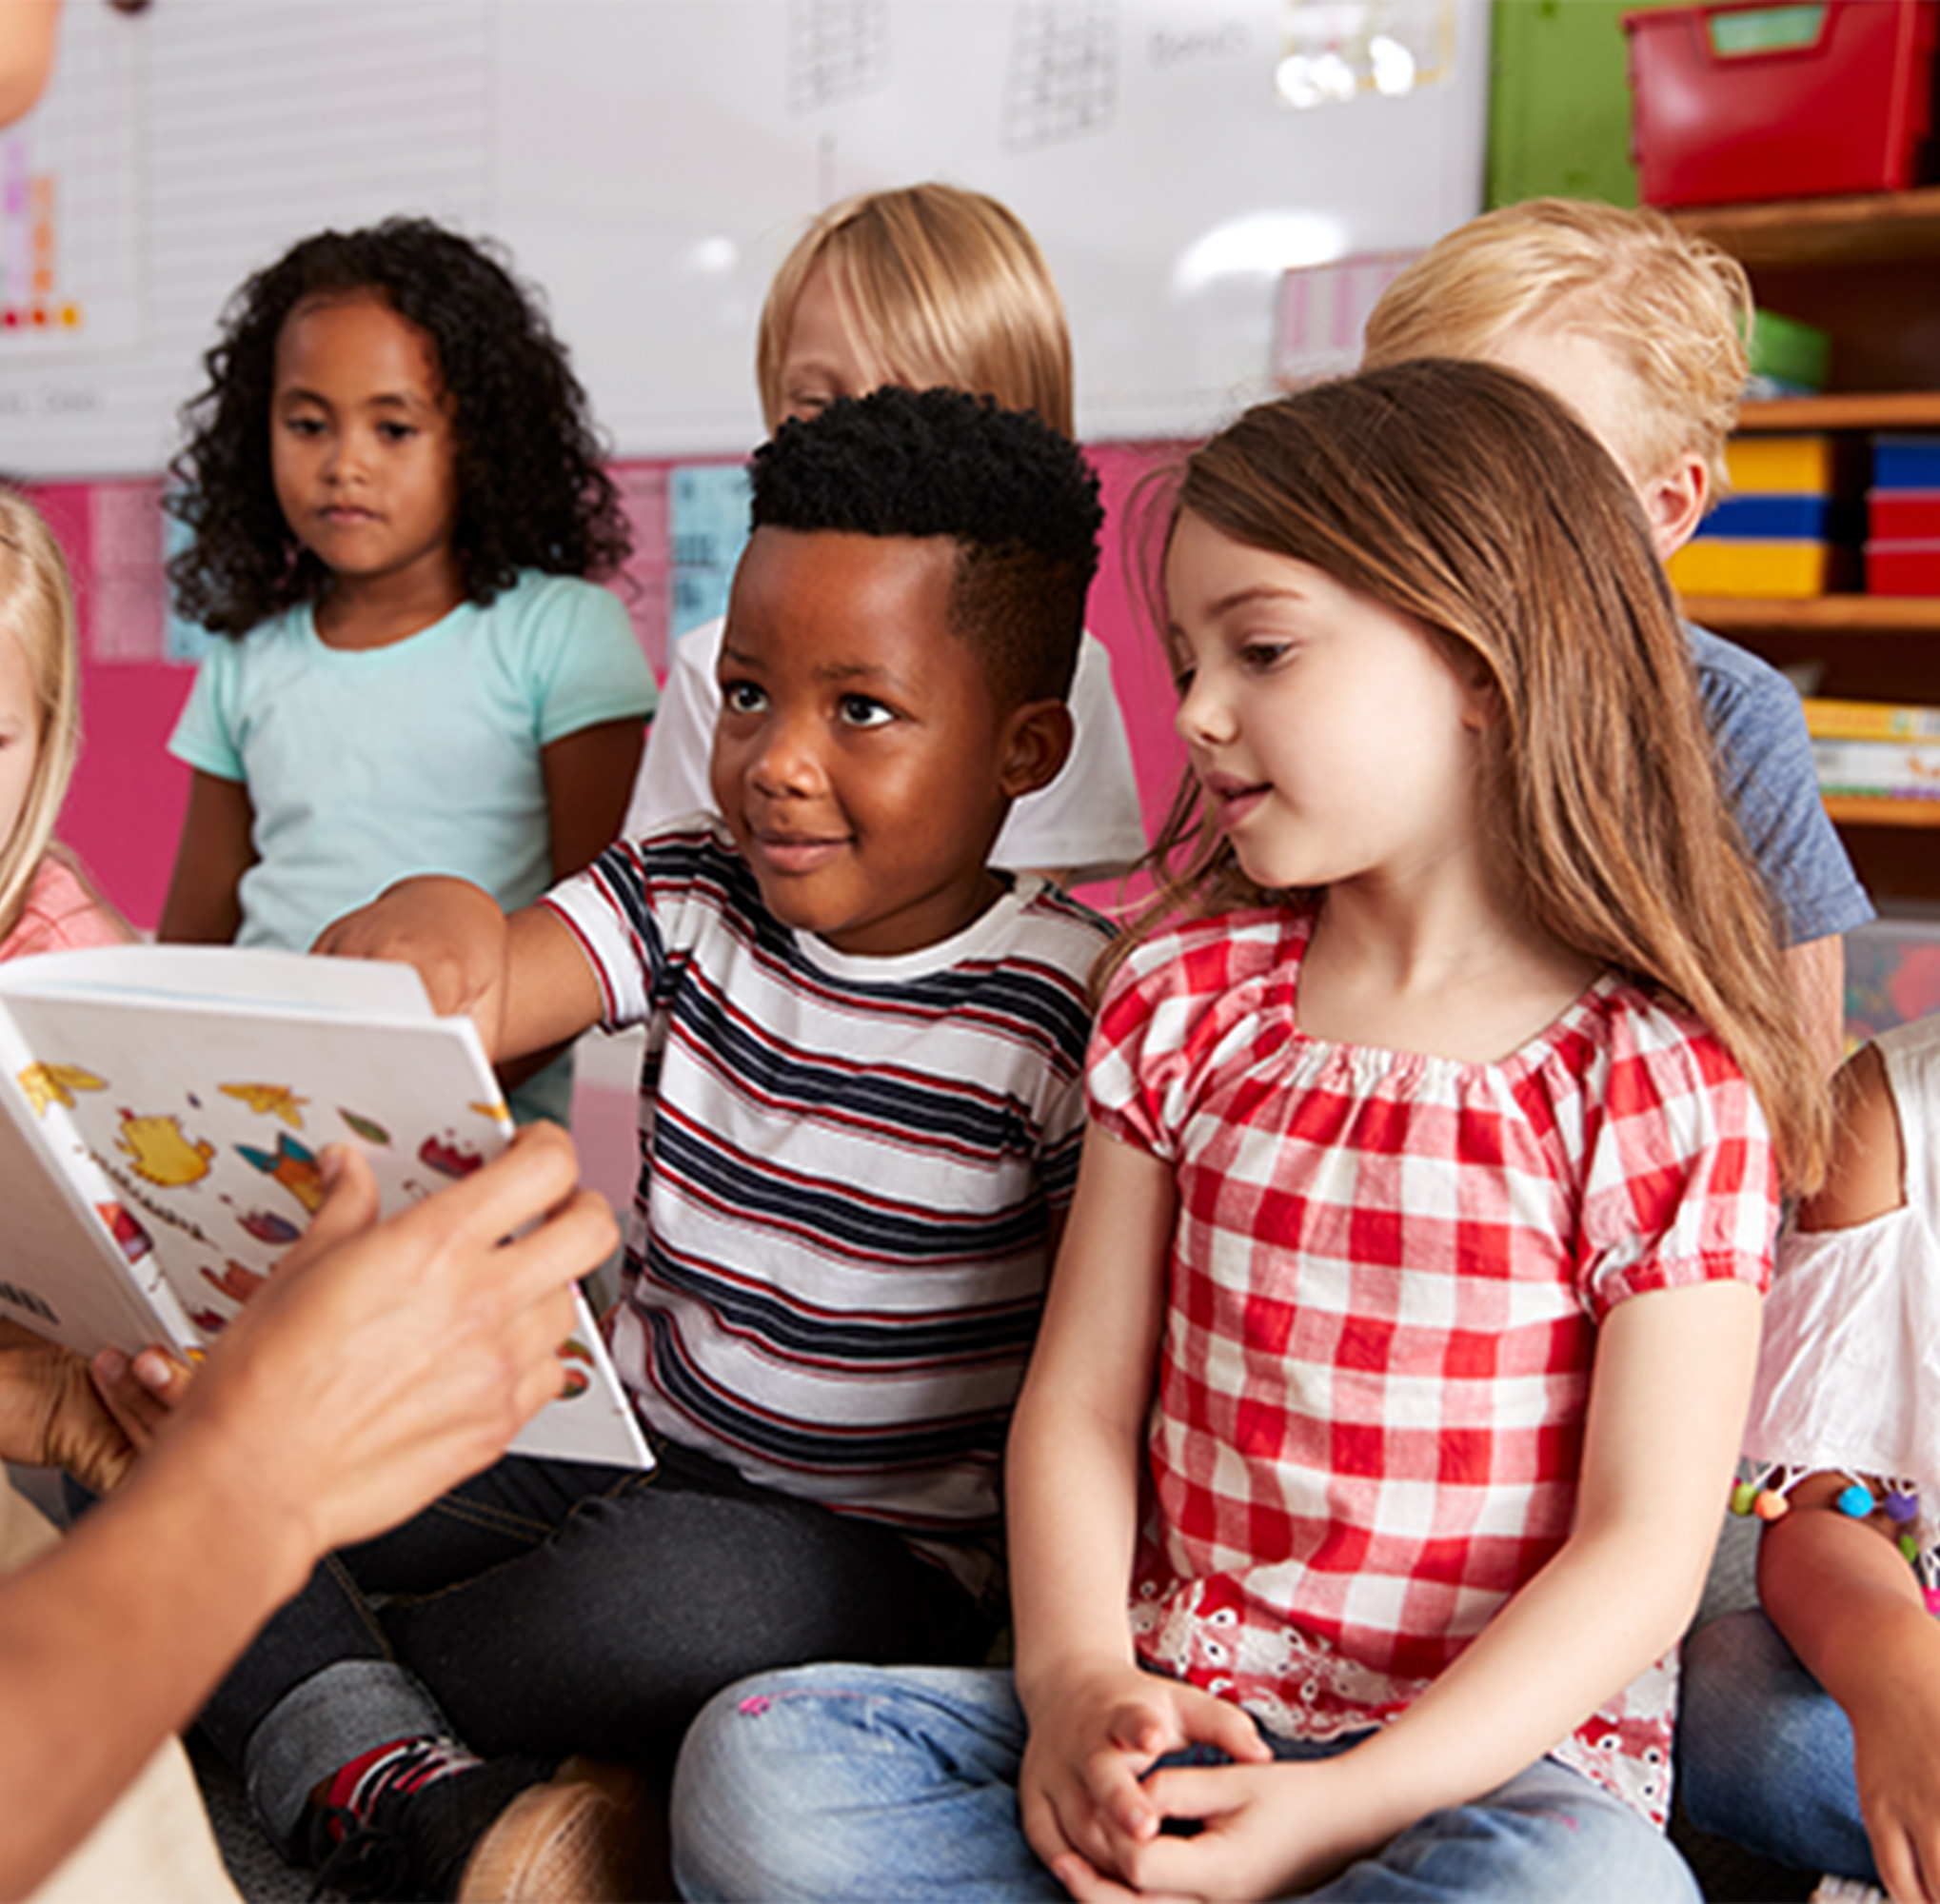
[552,1607]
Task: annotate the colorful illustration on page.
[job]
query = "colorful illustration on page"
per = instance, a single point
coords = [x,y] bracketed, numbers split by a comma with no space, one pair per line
[269,1101]
[291,1164]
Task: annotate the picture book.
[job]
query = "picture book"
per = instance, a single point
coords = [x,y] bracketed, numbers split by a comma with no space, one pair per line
[163,1108]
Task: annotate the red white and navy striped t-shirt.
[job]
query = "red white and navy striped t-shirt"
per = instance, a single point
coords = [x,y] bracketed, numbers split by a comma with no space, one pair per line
[848,1170]
[1384,1288]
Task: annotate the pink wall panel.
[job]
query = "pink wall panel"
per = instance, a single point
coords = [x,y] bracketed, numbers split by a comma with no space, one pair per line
[123,811]
[1123,622]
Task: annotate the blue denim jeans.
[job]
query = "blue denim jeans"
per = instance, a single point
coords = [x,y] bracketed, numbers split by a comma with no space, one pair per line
[553,1607]
[842,1782]
[1765,1754]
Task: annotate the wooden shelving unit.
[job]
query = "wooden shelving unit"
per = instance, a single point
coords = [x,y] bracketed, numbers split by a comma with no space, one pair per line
[1867,270]
[1847,812]
[1855,409]
[1854,615]
[1887,228]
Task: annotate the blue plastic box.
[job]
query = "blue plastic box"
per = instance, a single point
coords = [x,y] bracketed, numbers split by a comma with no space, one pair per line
[1770,518]
[1906,462]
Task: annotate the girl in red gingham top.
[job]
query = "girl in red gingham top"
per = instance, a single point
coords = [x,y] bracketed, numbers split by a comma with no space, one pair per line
[1396,1358]
[1433,1168]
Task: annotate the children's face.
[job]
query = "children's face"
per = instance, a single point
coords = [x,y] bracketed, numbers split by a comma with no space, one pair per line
[1332,734]
[822,361]
[860,759]
[19,732]
[362,443]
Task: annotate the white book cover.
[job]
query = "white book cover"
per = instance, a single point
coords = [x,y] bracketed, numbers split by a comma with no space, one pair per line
[163,1106]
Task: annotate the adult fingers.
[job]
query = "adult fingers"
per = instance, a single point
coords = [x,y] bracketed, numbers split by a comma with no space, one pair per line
[537,1172]
[575,1236]
[351,1204]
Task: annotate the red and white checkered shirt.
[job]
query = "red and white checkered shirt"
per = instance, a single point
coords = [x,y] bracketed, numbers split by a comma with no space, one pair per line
[1384,1289]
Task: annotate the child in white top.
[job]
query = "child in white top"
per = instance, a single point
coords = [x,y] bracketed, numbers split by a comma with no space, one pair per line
[1811,1732]
[1410,1298]
[395,493]
[930,284]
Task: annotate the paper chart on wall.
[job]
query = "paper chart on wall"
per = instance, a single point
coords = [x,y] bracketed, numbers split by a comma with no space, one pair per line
[70,203]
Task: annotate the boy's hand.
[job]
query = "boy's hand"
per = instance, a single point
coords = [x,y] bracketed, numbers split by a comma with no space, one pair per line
[451,930]
[51,1416]
[141,1392]
[1091,1735]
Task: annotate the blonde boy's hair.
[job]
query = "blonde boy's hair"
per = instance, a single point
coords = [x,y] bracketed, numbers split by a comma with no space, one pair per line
[37,610]
[1673,309]
[940,286]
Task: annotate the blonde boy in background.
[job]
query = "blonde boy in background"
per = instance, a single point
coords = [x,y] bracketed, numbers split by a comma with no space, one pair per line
[1640,328]
[925,287]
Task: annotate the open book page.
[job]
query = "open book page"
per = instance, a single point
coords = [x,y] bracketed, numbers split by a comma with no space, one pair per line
[202,1083]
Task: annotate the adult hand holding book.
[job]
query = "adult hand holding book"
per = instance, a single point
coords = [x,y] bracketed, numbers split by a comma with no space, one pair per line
[170,1124]
[380,1363]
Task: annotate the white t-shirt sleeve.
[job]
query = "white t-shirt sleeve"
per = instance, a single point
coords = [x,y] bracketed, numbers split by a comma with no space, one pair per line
[1088,818]
[673,775]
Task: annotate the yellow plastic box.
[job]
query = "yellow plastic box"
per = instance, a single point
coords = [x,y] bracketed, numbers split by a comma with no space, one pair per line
[1714,566]
[1780,465]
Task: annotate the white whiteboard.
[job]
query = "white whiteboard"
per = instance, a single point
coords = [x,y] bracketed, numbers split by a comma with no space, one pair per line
[648,161]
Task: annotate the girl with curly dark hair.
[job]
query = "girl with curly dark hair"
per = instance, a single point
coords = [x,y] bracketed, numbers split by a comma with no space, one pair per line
[393,482]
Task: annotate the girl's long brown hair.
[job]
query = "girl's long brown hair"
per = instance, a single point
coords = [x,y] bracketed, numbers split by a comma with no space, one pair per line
[1466,497]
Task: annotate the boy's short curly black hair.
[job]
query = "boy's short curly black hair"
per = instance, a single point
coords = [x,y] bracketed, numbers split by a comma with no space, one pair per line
[532,491]
[1015,497]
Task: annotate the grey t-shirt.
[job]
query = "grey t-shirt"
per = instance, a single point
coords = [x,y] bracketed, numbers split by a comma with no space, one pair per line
[1764,763]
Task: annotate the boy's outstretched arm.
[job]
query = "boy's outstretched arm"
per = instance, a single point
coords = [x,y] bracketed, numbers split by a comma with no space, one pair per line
[1076,1444]
[522,980]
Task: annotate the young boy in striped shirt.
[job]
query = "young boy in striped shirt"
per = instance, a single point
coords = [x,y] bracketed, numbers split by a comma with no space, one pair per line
[858,1133]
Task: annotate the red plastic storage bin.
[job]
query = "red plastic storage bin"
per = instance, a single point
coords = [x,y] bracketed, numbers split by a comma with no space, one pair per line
[1760,99]
[1902,568]
[1903,515]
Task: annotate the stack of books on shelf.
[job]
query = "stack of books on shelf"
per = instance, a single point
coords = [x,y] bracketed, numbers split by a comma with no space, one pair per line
[1875,749]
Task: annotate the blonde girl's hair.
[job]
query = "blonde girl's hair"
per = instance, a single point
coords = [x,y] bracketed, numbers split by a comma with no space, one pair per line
[940,286]
[1466,498]
[37,610]
[1674,311]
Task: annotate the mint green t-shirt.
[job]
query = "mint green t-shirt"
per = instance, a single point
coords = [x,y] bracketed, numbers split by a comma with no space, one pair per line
[367,766]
